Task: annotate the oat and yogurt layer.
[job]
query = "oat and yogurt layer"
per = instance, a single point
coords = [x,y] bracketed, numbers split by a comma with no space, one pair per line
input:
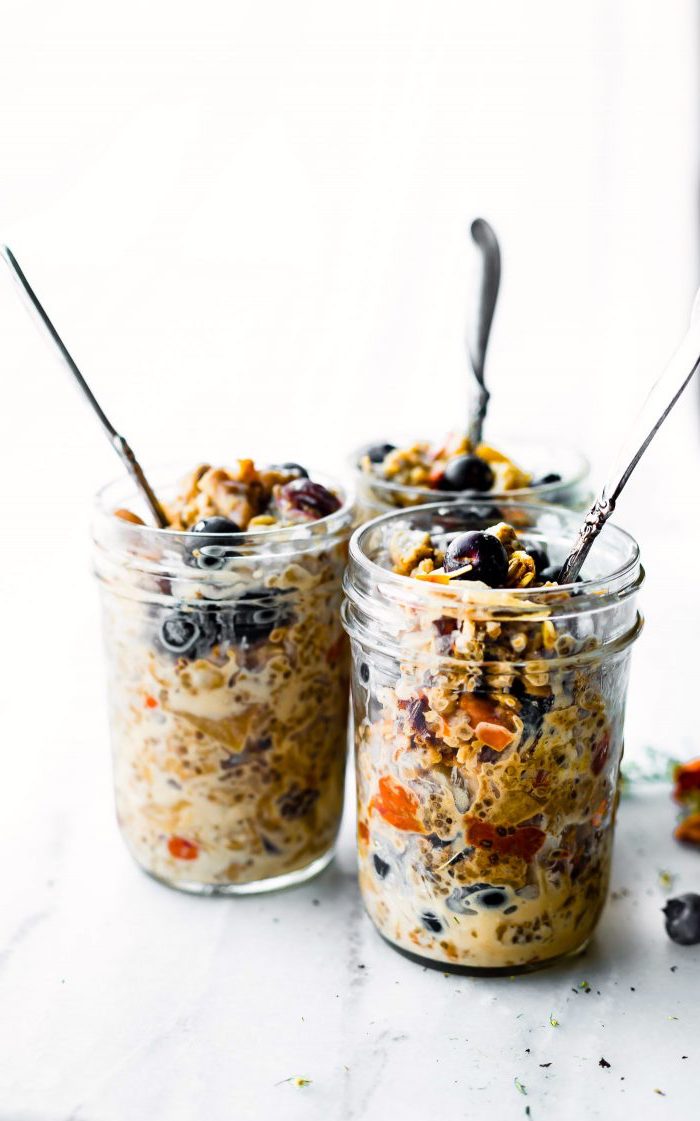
[488,742]
[228,676]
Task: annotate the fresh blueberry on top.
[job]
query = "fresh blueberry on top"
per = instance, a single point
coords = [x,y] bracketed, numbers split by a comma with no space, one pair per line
[538,554]
[294,469]
[485,554]
[683,919]
[552,477]
[467,472]
[378,452]
[206,534]
[308,498]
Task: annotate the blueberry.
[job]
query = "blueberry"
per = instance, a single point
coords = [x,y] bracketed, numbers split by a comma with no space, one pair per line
[380,866]
[364,672]
[256,614]
[493,900]
[553,477]
[683,919]
[467,472]
[189,634]
[485,554]
[294,469]
[538,554]
[206,534]
[378,452]
[308,498]
[431,922]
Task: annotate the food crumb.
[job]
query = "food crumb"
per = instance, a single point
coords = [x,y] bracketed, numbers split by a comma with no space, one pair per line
[661,1093]
[299,1081]
[603,1063]
[519,1086]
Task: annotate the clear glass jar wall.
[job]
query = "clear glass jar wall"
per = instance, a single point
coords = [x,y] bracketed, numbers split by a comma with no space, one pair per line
[228,685]
[488,733]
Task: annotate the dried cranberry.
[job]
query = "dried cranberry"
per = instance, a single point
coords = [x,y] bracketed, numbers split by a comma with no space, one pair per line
[309,498]
[297,803]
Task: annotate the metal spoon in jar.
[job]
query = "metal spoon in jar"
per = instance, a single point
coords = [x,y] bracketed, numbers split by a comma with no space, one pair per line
[486,241]
[118,442]
[663,396]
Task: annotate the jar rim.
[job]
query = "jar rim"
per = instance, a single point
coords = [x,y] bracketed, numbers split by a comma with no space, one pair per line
[628,576]
[105,502]
[540,492]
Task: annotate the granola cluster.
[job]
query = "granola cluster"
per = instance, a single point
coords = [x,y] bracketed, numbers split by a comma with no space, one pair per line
[423,464]
[251,498]
[415,553]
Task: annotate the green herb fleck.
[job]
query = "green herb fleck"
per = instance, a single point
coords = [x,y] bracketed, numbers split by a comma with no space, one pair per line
[662,1093]
[519,1086]
[666,879]
[584,986]
[553,1022]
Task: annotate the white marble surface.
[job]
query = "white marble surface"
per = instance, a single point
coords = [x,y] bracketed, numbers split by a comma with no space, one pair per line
[123,999]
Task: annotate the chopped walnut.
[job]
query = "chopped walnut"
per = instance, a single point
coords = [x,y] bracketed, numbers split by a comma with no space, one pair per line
[407,548]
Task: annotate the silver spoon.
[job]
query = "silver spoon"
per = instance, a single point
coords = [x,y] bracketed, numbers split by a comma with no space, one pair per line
[118,442]
[663,396]
[486,242]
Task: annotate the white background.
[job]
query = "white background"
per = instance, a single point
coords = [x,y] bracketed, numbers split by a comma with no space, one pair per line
[249,221]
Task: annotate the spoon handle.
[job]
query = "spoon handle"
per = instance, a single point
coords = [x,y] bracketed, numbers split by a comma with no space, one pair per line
[118,442]
[486,242]
[663,396]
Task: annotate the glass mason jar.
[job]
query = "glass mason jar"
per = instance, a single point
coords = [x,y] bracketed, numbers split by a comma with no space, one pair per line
[228,690]
[376,496]
[488,734]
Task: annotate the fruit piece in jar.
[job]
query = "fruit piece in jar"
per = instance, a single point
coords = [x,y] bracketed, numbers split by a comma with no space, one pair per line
[204,548]
[306,497]
[377,453]
[481,555]
[182,849]
[471,898]
[552,477]
[380,866]
[522,840]
[466,472]
[189,634]
[683,919]
[296,803]
[256,613]
[397,805]
[431,922]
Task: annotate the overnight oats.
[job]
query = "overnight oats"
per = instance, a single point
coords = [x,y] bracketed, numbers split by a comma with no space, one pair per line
[389,476]
[488,706]
[228,674]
